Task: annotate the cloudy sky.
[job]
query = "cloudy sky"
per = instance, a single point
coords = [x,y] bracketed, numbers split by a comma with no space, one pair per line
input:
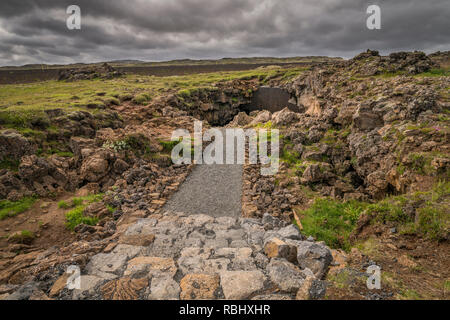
[34,31]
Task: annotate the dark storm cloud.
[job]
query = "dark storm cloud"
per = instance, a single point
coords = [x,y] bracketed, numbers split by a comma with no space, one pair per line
[35,31]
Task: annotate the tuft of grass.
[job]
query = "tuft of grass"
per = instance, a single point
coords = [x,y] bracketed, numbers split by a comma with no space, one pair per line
[432,222]
[409,294]
[111,101]
[401,169]
[64,205]
[125,97]
[169,145]
[389,210]
[431,219]
[13,208]
[76,216]
[332,221]
[345,278]
[370,247]
[142,99]
[111,209]
[290,156]
[435,73]
[447,285]
[417,162]
[138,143]
[76,202]
[24,237]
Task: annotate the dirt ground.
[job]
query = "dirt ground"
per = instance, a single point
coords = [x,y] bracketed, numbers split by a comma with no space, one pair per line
[411,268]
[45,220]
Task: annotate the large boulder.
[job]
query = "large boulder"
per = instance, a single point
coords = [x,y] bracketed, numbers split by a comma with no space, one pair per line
[43,176]
[242,119]
[261,117]
[277,248]
[365,119]
[14,146]
[241,285]
[9,184]
[33,168]
[313,174]
[77,144]
[285,117]
[286,276]
[314,256]
[96,166]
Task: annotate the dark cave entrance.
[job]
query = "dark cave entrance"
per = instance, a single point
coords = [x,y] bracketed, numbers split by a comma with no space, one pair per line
[272,99]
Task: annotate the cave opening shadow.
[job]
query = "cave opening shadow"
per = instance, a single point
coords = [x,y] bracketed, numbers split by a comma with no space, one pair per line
[272,99]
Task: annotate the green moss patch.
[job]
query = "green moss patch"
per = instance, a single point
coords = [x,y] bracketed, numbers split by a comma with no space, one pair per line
[13,208]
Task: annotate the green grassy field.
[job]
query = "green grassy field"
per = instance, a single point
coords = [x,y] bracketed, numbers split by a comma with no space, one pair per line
[19,103]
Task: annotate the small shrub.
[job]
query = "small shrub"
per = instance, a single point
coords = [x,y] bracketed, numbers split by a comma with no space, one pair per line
[417,161]
[433,222]
[76,202]
[138,143]
[116,146]
[111,209]
[389,210]
[9,164]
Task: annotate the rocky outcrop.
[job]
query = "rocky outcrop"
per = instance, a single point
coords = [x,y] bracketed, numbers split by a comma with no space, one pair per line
[354,131]
[285,117]
[45,176]
[96,165]
[217,105]
[262,195]
[261,117]
[209,258]
[370,63]
[14,146]
[241,120]
[105,71]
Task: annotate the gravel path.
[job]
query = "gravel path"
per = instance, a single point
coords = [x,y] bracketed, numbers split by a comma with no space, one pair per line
[200,248]
[214,190]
